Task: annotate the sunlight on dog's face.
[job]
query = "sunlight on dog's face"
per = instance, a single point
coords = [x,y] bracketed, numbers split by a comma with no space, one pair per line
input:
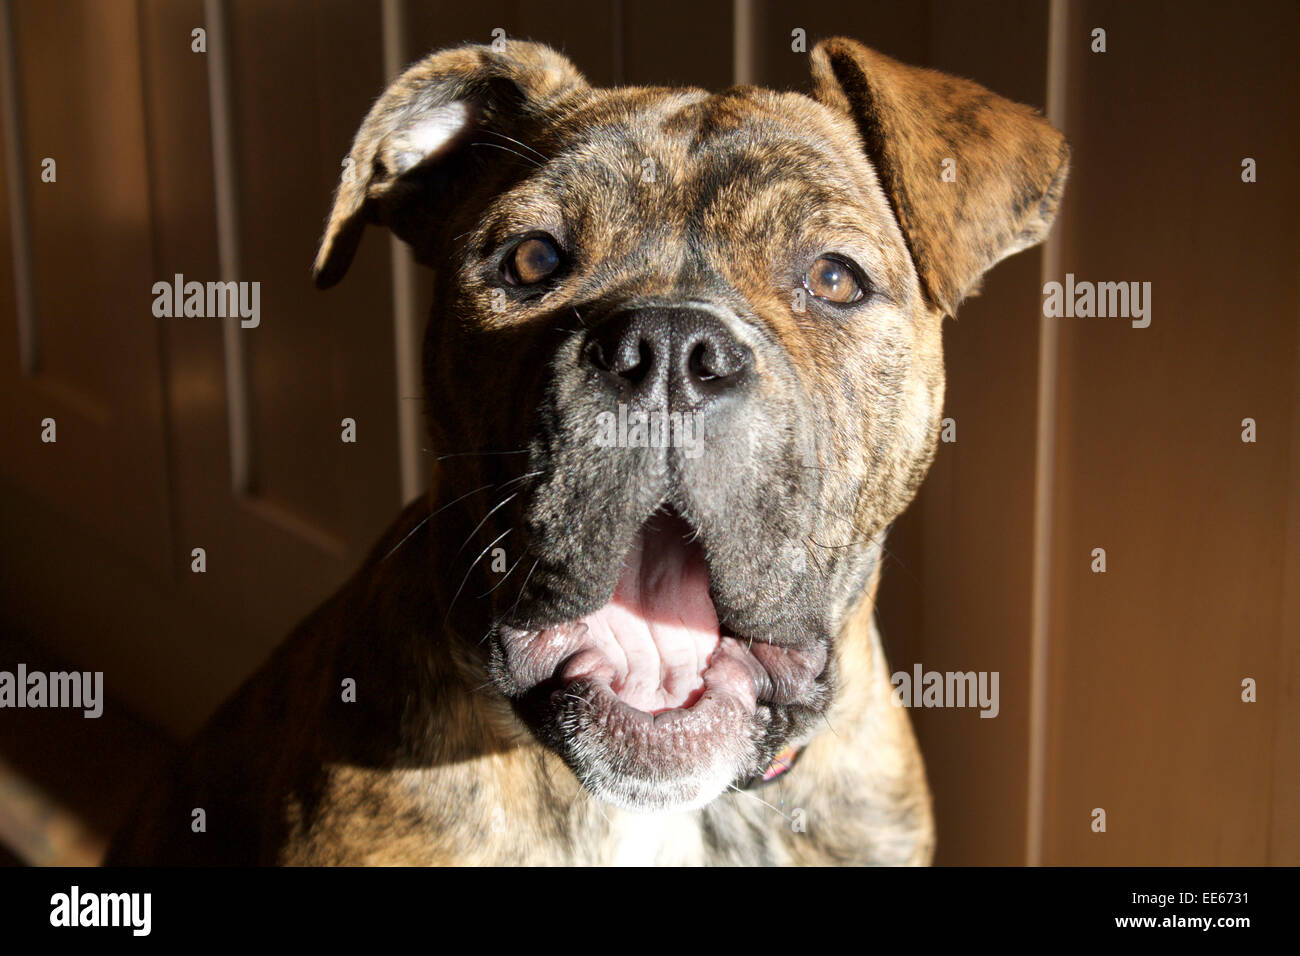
[686,349]
[729,268]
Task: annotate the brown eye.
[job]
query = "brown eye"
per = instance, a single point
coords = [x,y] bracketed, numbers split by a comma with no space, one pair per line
[532,261]
[834,280]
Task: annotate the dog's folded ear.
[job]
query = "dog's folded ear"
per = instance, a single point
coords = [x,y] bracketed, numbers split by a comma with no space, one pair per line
[422,119]
[972,177]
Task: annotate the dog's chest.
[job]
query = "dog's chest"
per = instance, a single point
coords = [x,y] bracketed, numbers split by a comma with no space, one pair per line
[656,839]
[723,834]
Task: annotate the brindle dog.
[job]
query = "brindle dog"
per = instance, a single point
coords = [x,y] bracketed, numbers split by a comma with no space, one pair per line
[589,645]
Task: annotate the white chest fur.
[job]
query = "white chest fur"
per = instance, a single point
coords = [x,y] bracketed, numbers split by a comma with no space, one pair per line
[646,839]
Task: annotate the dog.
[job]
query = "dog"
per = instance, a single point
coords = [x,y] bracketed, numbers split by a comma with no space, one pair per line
[683,370]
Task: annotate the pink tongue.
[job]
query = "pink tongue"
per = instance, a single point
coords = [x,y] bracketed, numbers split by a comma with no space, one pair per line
[660,628]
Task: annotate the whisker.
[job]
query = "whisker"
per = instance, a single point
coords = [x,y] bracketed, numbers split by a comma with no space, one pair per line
[427,518]
[745,793]
[509,571]
[423,521]
[524,477]
[540,155]
[523,587]
[470,571]
[502,503]
[584,792]
[514,152]
[480,454]
[884,549]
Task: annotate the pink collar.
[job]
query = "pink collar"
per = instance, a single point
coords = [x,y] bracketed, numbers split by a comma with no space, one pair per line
[781,763]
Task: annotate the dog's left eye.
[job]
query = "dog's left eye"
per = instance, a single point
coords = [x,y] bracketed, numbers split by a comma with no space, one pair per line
[532,261]
[833,279]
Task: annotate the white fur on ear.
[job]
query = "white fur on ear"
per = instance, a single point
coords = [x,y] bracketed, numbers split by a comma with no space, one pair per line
[418,135]
[428,136]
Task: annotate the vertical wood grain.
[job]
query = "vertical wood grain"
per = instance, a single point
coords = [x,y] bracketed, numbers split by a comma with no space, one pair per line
[1148,659]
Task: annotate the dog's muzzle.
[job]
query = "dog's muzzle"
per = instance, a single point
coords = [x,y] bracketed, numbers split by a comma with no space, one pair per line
[644,653]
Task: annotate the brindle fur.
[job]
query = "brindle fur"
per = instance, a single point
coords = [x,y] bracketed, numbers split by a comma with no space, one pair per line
[432,763]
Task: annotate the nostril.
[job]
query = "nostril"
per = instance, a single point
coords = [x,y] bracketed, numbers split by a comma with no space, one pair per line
[710,362]
[596,356]
[630,358]
[700,363]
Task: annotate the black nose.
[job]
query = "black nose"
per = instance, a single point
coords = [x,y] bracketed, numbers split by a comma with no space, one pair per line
[684,357]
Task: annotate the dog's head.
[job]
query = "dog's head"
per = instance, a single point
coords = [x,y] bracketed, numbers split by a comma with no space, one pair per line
[684,360]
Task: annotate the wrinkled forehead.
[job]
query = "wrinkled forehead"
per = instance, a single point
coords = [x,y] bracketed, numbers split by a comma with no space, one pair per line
[745,165]
[692,130]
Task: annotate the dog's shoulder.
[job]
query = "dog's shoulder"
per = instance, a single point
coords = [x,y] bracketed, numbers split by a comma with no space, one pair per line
[326,694]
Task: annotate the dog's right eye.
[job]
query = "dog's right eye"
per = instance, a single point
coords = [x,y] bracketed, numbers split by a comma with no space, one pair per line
[532,261]
[833,279]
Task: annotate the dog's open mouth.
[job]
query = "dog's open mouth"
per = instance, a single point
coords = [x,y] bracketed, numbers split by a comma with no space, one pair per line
[650,698]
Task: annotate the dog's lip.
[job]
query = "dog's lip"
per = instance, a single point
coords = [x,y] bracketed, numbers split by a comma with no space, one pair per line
[779,674]
[723,711]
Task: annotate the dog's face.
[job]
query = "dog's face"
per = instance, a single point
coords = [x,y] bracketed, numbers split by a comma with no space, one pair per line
[685,349]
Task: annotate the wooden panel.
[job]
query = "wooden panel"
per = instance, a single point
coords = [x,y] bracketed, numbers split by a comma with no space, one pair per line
[316,503]
[1284,822]
[303,76]
[173,646]
[261,577]
[1148,721]
[79,81]
[677,42]
[8,288]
